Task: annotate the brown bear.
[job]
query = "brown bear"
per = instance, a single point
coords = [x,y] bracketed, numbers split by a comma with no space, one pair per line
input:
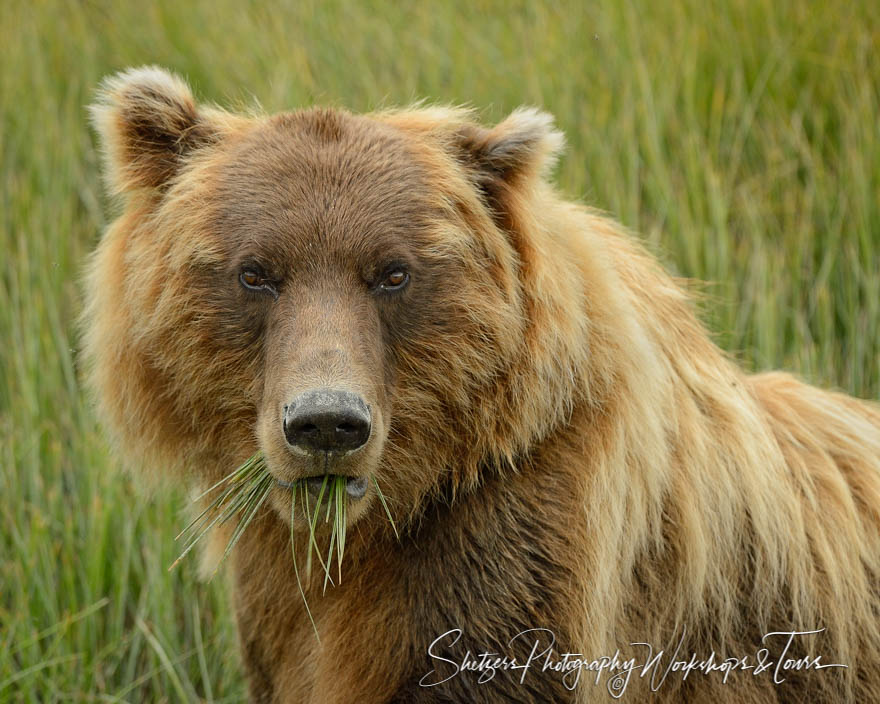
[593,501]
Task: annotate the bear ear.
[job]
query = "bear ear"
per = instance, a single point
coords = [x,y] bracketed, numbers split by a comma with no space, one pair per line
[523,146]
[148,122]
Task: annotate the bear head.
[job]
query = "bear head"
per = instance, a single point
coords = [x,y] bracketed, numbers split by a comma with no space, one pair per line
[354,295]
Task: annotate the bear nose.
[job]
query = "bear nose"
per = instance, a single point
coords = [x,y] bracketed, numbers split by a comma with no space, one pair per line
[326,420]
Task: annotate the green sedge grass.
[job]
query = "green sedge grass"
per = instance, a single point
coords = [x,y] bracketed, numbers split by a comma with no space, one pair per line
[242,493]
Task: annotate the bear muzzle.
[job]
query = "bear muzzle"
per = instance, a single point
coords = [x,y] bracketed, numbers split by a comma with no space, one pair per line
[326,426]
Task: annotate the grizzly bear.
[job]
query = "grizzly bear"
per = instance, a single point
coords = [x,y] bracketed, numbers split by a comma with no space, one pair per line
[591,500]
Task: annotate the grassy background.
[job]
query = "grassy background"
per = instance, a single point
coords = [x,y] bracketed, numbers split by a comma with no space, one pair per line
[740,138]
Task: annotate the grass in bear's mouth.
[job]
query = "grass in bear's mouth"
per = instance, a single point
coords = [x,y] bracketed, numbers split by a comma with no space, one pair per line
[241,494]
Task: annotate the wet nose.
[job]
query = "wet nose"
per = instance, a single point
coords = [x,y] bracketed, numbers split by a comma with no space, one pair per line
[326,420]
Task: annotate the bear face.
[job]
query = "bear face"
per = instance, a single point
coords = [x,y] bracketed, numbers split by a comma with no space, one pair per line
[340,292]
[321,230]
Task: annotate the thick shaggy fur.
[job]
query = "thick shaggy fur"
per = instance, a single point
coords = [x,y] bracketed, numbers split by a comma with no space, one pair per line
[564,446]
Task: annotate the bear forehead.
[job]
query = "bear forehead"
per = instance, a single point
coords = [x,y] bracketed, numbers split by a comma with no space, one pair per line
[322,177]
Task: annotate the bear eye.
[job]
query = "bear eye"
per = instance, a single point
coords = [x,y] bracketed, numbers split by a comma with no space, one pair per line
[256,281]
[251,279]
[395,280]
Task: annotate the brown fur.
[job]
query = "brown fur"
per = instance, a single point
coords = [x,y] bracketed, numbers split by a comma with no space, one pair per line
[561,443]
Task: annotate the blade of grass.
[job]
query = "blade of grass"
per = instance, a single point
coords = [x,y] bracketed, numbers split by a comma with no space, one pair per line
[313,526]
[304,501]
[254,462]
[235,487]
[200,652]
[327,577]
[339,523]
[229,510]
[213,506]
[260,497]
[295,568]
[385,506]
[170,670]
[221,517]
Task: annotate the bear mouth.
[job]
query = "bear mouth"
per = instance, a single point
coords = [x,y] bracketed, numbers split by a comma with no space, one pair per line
[355,487]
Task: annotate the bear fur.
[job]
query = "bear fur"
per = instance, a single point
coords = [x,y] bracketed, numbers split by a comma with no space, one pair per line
[561,444]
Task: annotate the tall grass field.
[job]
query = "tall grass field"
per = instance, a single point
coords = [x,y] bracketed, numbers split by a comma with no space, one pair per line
[741,139]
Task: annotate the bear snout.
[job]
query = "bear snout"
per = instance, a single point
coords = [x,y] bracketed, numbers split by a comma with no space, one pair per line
[327,421]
